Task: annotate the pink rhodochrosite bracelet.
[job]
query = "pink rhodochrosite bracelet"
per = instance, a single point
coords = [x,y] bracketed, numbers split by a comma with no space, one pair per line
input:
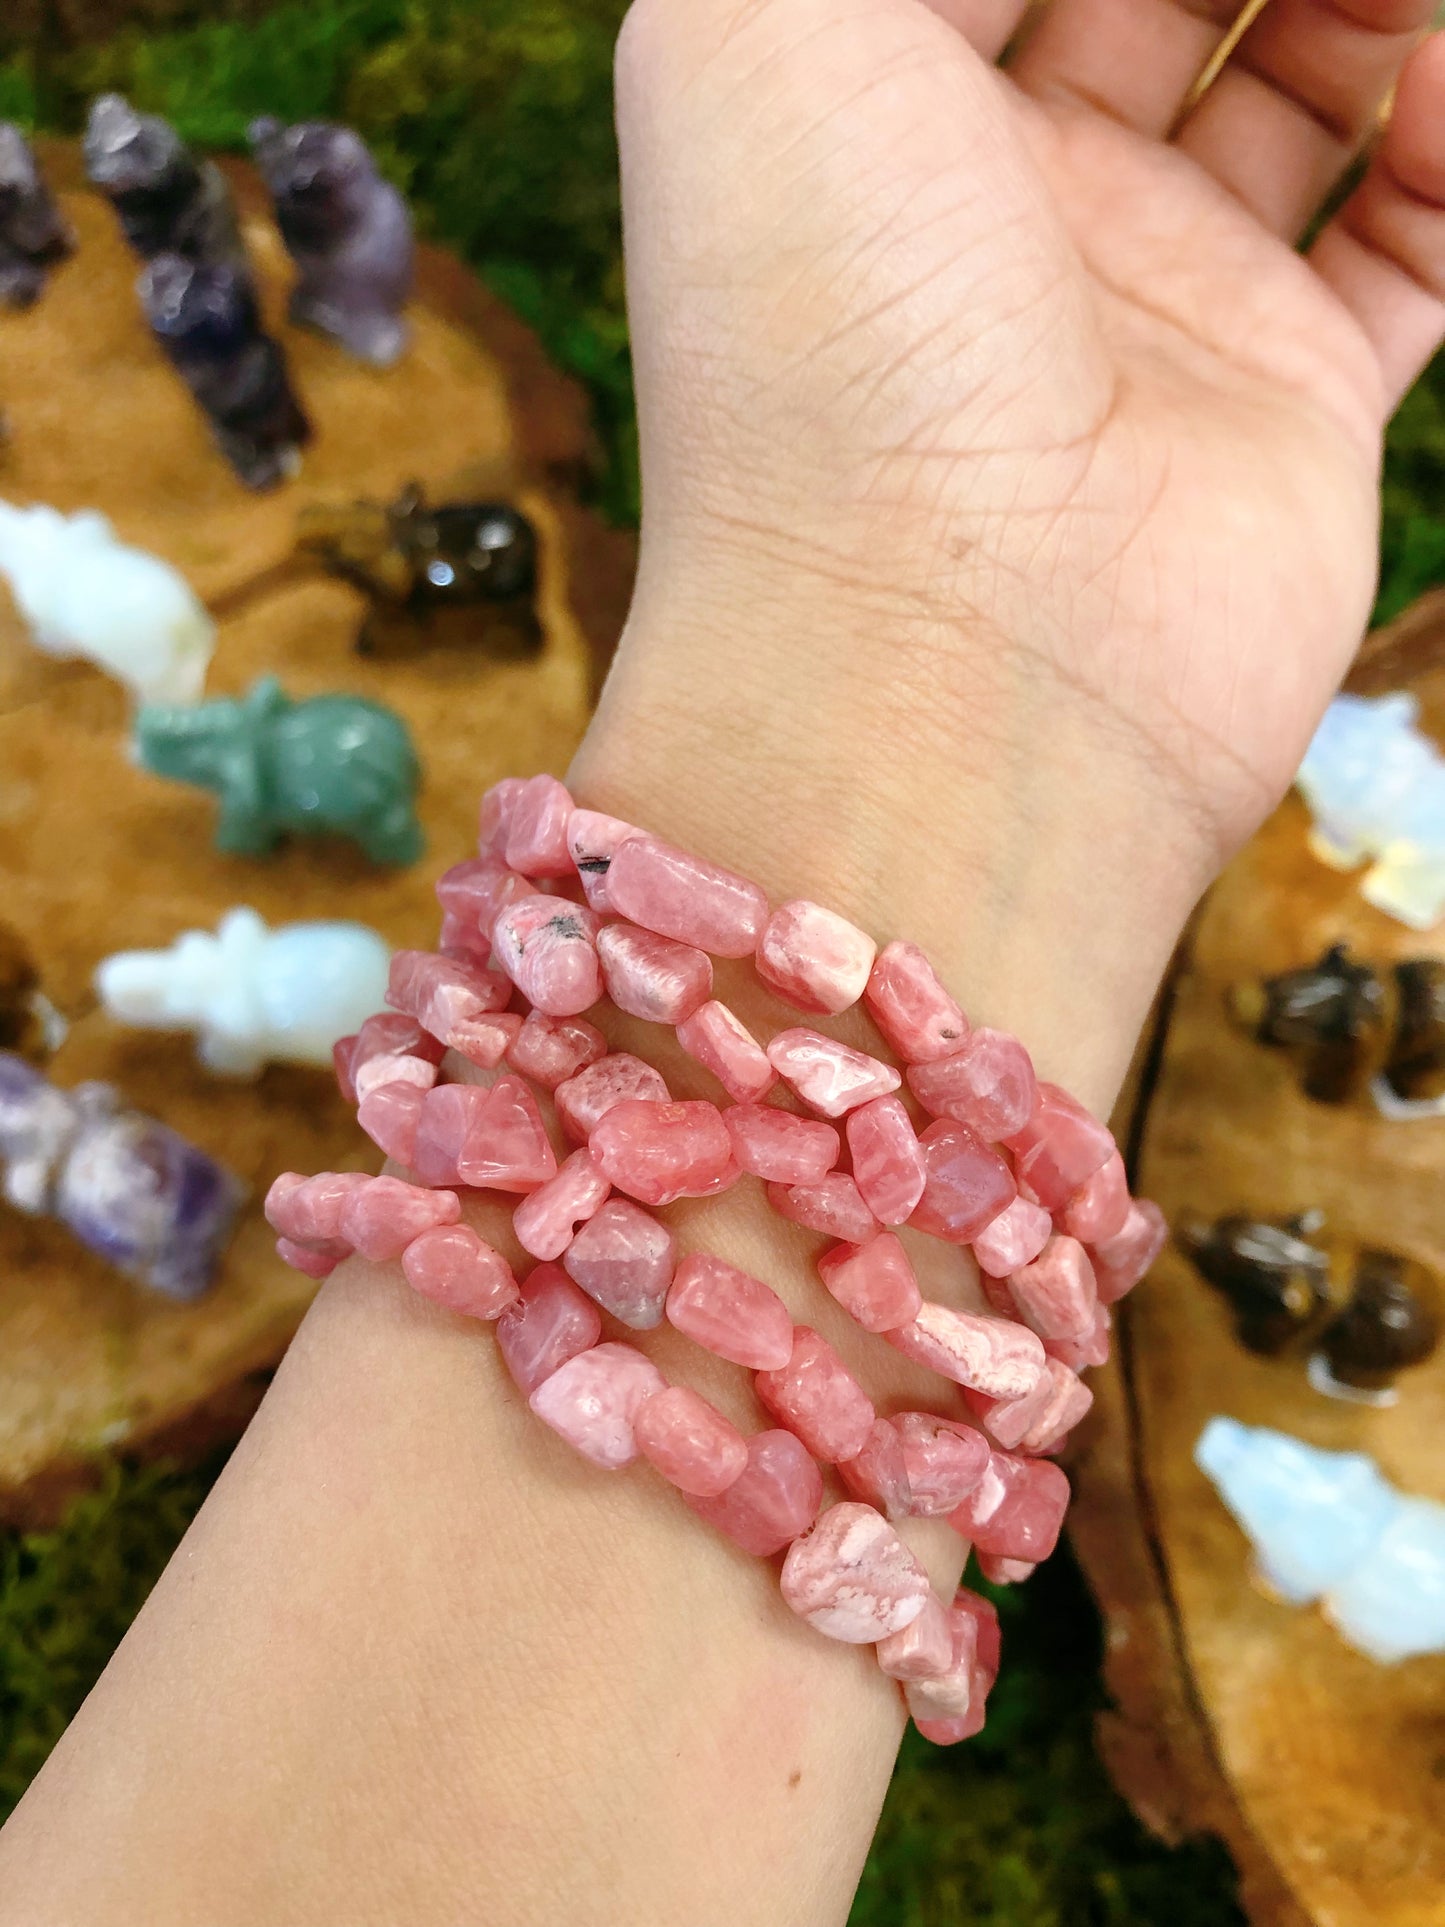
[946,1133]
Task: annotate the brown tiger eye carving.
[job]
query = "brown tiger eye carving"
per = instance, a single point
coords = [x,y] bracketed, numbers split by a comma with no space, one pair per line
[1388,1325]
[1275,1280]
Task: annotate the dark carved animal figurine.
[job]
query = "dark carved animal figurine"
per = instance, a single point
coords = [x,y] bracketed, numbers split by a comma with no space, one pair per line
[206,319]
[168,201]
[29,1023]
[33,235]
[1275,1281]
[324,764]
[421,563]
[1388,1325]
[347,229]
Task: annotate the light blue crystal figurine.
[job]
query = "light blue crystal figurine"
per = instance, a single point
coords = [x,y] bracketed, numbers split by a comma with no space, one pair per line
[1376,786]
[1329,1526]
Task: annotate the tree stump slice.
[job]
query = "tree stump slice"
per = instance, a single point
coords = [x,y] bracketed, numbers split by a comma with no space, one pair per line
[1236,1714]
[96,855]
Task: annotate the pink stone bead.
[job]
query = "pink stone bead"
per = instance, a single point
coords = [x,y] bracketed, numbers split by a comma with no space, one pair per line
[878,1474]
[341,1054]
[392,1067]
[852,1578]
[966,1186]
[1005,1572]
[662,1152]
[389,1033]
[623,1258]
[730,1313]
[452,999]
[772,1500]
[391,1116]
[586,1097]
[984,1642]
[833,1205]
[448,1115]
[683,896]
[988,1084]
[873,1282]
[537,828]
[1080,1354]
[944,1462]
[1016,1510]
[593,1399]
[475,893]
[1069,1402]
[550,1322]
[727,1048]
[1008,1421]
[653,977]
[887,1159]
[496,815]
[452,1266]
[829,1077]
[922,1650]
[507,1147]
[916,1015]
[314,1263]
[1121,1261]
[1099,1209]
[992,1355]
[1013,1239]
[814,958]
[548,947]
[690,1442]
[1056,1294]
[592,840]
[780,1146]
[816,1396]
[1060,1148]
[546,1222]
[308,1211]
[549,1050]
[948,1694]
[380,1218]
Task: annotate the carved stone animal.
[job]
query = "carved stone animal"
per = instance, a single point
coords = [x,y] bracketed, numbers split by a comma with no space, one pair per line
[167,199]
[33,234]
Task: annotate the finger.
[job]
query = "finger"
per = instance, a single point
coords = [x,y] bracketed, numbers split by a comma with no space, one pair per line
[1298,99]
[1132,60]
[987,25]
[1383,254]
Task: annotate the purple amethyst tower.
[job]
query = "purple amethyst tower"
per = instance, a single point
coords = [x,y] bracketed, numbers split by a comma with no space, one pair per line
[131,1189]
[167,200]
[347,229]
[33,234]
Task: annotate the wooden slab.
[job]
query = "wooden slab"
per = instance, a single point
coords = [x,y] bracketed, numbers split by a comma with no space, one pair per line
[97,855]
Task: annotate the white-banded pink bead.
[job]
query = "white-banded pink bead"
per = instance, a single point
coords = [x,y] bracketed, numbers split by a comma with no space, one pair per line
[390,1115]
[948,1694]
[1008,1421]
[925,1648]
[684,896]
[887,1158]
[623,1259]
[1056,1293]
[852,1578]
[944,1462]
[816,1396]
[1070,1399]
[1099,1209]
[548,947]
[473,895]
[455,1268]
[393,1067]
[723,1045]
[987,1084]
[592,840]
[690,1442]
[1121,1261]
[546,1221]
[452,998]
[380,1218]
[916,1015]
[833,1205]
[780,1146]
[585,1098]
[1060,1148]
[878,1475]
[550,1322]
[813,958]
[830,1077]
[549,1050]
[1014,1238]
[537,828]
[873,1282]
[993,1355]
[593,1399]
[730,1313]
[653,977]
[662,1152]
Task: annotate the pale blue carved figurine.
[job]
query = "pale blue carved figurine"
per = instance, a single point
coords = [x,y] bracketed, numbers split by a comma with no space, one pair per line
[1329,1526]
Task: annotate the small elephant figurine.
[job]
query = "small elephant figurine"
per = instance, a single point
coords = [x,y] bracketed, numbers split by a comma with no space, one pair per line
[33,234]
[323,764]
[253,995]
[167,200]
[348,231]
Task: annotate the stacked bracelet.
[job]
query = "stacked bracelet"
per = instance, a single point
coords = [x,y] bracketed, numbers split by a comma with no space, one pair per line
[565,909]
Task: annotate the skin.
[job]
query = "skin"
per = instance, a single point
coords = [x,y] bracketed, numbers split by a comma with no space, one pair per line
[1011,496]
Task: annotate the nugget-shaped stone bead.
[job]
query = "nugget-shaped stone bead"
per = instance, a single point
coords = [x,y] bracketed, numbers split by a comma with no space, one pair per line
[454,1267]
[780,1146]
[727,1048]
[1016,1510]
[593,1399]
[922,1650]
[307,1211]
[393,1067]
[944,1462]
[814,958]
[380,1218]
[1056,1294]
[966,1185]
[451,998]
[1069,1400]
[546,1222]
[816,1396]
[916,1015]
[730,1313]
[496,815]
[537,828]
[1060,1148]
[1099,1209]
[833,1205]
[873,1282]
[1005,1572]
[387,1034]
[548,947]
[661,1152]
[982,1674]
[1121,1261]
[1014,1238]
[878,1475]
[1080,1354]
[585,1098]
[592,840]
[507,1148]
[448,1115]
[550,1322]
[993,1355]
[948,1694]
[474,894]
[830,1077]
[549,1050]
[887,1158]
[309,1259]
[773,1499]
[683,896]
[623,1257]
[1008,1421]
[852,1578]
[653,977]
[390,1115]
[987,1084]
[690,1442]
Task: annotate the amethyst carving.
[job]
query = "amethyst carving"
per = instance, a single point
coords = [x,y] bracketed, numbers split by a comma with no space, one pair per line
[131,1189]
[347,229]
[33,234]
[167,199]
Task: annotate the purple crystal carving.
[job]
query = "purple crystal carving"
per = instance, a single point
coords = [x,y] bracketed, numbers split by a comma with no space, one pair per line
[348,231]
[167,199]
[206,319]
[130,1188]
[33,234]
